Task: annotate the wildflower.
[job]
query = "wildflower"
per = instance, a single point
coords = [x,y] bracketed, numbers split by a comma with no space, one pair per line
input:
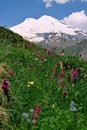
[36,59]
[72,106]
[53,72]
[4,86]
[31,110]
[25,115]
[61,65]
[36,112]
[11,73]
[28,115]
[60,77]
[46,75]
[30,83]
[68,66]
[73,75]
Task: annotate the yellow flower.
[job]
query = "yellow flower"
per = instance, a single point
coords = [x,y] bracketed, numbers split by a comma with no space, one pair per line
[68,66]
[46,75]
[30,83]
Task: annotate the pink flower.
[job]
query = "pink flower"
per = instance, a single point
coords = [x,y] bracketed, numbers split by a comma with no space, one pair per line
[53,72]
[5,84]
[11,73]
[60,77]
[61,65]
[36,112]
[73,75]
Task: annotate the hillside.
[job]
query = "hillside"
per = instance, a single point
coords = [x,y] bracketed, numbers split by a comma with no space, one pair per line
[40,90]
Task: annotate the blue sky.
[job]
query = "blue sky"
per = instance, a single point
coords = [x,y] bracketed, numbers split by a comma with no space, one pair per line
[13,12]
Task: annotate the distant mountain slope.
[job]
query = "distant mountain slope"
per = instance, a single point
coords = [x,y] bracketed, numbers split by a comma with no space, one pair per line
[34,29]
[80,49]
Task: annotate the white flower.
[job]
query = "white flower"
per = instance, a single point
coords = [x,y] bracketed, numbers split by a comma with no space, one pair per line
[32,83]
[25,115]
[31,110]
[36,59]
[72,106]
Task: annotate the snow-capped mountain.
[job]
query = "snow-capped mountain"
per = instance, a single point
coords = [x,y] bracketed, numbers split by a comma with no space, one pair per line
[37,29]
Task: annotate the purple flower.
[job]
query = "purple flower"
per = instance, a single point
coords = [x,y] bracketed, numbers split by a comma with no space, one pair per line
[36,112]
[73,75]
[11,73]
[53,72]
[4,86]
[60,77]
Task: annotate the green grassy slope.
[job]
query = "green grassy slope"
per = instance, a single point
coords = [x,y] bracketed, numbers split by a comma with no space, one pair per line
[33,82]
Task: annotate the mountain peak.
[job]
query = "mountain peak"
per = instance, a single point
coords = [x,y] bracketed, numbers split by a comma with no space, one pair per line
[31,27]
[47,17]
[29,19]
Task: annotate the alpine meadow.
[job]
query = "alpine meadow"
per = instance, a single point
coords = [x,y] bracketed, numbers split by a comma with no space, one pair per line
[40,90]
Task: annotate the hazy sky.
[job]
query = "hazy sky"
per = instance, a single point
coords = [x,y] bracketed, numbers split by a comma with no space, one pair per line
[73,12]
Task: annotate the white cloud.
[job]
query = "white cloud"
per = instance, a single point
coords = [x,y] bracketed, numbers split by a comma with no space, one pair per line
[61,1]
[77,19]
[49,2]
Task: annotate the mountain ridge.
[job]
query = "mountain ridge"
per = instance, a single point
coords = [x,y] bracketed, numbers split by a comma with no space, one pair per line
[30,27]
